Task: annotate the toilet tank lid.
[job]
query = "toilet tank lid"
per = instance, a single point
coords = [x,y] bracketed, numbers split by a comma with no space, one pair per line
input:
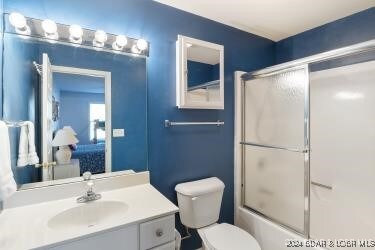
[200,187]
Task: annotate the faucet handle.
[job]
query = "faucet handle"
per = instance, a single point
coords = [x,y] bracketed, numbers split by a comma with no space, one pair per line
[87,176]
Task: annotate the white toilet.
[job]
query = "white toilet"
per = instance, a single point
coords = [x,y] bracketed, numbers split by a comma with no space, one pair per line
[199,203]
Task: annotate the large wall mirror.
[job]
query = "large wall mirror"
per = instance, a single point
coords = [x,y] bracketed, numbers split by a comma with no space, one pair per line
[84,109]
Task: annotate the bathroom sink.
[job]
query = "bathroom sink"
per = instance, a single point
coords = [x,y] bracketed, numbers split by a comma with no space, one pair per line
[88,215]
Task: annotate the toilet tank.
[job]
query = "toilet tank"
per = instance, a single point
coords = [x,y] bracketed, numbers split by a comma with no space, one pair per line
[200,202]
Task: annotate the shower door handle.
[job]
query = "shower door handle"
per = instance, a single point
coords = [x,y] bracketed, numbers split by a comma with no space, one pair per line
[321,185]
[274,147]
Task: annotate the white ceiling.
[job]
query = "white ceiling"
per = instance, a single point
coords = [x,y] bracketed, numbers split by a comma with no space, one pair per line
[78,83]
[204,55]
[273,19]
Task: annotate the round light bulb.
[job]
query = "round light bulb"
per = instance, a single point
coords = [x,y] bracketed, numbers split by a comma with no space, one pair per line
[100,38]
[135,49]
[121,40]
[49,26]
[142,44]
[76,33]
[50,29]
[17,20]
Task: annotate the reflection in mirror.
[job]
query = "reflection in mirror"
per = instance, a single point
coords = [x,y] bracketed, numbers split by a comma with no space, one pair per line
[200,74]
[74,97]
[79,120]
[203,73]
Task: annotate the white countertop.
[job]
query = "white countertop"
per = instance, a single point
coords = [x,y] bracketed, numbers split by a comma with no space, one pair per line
[26,227]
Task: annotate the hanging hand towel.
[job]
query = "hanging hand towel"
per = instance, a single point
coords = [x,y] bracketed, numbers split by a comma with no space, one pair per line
[7,183]
[26,148]
[32,156]
[23,147]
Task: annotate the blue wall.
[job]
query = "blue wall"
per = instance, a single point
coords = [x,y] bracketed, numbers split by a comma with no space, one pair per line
[353,29]
[199,73]
[20,105]
[75,112]
[175,154]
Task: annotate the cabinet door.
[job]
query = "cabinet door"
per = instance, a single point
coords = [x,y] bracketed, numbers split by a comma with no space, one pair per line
[157,232]
[123,239]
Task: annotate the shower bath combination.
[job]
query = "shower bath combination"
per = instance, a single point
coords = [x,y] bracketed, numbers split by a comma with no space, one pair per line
[304,147]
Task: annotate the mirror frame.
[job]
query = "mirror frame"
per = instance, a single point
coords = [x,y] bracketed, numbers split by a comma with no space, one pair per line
[182,102]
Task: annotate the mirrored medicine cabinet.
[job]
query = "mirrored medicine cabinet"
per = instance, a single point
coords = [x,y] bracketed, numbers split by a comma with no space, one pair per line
[200,74]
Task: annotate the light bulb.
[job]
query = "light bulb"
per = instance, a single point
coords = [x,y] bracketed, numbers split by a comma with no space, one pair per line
[142,44]
[100,38]
[135,49]
[50,29]
[120,42]
[18,21]
[76,33]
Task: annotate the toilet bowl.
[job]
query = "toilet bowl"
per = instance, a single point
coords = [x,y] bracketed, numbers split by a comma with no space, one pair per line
[200,203]
[227,237]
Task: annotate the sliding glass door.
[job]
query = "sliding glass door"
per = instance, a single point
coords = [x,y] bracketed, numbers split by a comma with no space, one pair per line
[275,147]
[343,150]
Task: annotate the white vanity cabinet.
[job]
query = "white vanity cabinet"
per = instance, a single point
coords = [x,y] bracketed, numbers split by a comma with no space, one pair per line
[131,215]
[157,234]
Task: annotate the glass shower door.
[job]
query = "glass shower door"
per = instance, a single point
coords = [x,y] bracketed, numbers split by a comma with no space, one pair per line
[342,149]
[275,147]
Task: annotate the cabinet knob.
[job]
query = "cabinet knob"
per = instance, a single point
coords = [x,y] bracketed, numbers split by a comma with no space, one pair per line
[159,232]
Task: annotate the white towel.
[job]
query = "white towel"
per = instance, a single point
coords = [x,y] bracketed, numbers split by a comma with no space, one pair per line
[23,147]
[32,157]
[7,183]
[26,148]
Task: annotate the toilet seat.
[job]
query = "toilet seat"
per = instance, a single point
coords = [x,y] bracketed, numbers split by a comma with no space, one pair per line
[228,237]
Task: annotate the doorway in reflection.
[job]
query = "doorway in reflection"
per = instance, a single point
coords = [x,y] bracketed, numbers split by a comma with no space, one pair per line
[80,107]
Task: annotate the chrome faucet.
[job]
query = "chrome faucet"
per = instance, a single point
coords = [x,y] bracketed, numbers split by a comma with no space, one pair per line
[90,194]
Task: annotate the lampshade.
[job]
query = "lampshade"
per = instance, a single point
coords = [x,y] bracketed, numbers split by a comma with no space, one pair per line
[63,138]
[70,129]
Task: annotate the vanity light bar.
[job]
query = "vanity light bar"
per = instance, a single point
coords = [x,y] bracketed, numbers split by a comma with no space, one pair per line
[74,35]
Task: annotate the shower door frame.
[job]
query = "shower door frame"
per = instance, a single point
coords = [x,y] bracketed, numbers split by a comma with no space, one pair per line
[241,78]
[305,150]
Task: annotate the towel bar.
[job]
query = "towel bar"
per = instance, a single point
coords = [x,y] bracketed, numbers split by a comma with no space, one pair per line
[14,123]
[168,123]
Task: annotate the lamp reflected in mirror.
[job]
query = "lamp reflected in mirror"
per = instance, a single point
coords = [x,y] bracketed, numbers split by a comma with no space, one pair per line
[62,140]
